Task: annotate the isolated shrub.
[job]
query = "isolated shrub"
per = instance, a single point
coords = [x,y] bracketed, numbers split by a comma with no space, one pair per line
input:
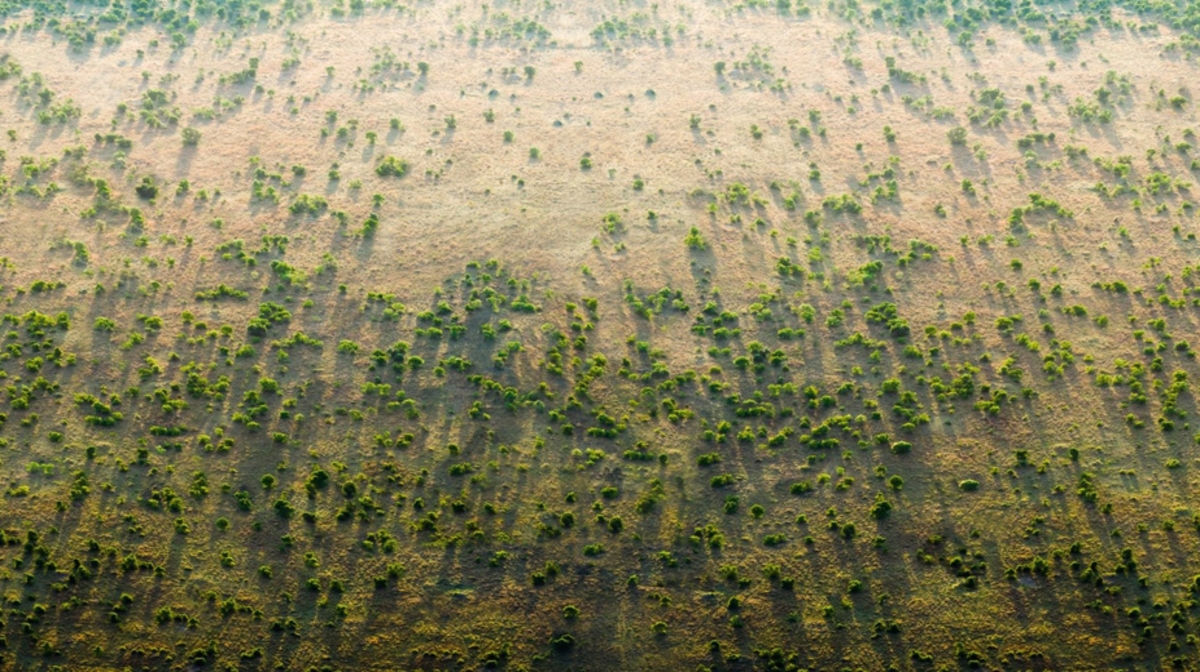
[562,643]
[721,481]
[147,189]
[390,166]
[191,137]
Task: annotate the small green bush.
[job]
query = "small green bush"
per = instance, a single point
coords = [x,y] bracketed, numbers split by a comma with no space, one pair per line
[391,166]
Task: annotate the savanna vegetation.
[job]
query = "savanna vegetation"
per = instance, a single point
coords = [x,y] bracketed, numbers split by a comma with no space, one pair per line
[611,335]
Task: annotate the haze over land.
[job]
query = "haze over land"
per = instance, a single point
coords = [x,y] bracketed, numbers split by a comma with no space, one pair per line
[599,335]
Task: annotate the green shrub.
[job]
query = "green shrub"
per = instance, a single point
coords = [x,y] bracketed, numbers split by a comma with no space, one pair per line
[146,189]
[562,643]
[721,481]
[391,166]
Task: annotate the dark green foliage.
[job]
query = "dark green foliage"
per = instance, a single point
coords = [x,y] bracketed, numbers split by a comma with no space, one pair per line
[147,189]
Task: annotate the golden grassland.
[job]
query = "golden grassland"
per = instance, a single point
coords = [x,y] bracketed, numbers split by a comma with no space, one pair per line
[598,336]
